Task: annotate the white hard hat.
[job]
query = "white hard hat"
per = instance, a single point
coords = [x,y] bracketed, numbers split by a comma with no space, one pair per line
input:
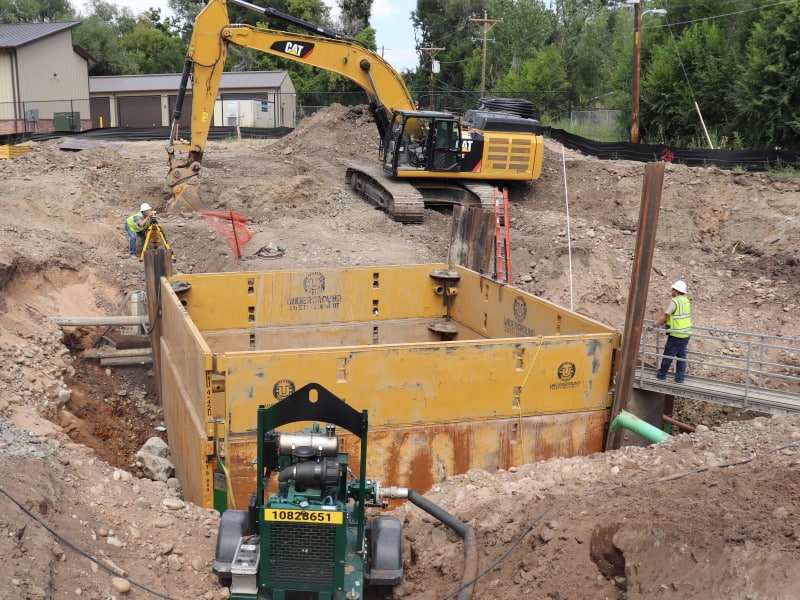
[680,286]
[145,207]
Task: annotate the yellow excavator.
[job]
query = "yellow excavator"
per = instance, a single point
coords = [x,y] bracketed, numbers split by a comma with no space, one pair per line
[425,157]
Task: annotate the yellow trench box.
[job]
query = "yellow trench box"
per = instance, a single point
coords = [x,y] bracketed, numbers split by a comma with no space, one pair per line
[456,371]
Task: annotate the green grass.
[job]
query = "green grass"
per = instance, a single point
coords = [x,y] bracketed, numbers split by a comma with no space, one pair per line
[786,172]
[596,133]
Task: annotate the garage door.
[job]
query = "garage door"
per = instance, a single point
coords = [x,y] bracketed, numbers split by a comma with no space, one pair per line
[140,111]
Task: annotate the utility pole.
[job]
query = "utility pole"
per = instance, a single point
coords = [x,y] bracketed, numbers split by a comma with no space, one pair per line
[433,52]
[637,46]
[637,50]
[487,26]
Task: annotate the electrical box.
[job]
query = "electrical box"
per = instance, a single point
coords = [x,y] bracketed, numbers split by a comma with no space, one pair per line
[67,121]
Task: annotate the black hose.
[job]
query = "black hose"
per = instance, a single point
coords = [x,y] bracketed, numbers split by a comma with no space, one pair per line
[276,15]
[176,115]
[462,529]
[187,70]
[513,106]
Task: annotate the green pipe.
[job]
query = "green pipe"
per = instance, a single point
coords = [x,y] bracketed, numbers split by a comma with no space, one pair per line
[636,425]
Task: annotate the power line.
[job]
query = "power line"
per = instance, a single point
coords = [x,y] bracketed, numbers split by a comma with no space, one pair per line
[714,17]
[433,52]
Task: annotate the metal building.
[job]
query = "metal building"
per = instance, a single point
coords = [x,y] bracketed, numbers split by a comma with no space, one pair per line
[44,78]
[247,99]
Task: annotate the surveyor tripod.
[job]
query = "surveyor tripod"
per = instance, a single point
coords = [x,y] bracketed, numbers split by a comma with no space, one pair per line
[154,236]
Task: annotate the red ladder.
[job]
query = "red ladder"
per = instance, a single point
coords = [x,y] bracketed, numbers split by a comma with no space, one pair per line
[502,237]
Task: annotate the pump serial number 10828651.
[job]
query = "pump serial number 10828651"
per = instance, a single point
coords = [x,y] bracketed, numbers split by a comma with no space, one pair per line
[286,515]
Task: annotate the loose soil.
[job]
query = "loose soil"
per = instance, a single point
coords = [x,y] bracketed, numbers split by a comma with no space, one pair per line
[706,515]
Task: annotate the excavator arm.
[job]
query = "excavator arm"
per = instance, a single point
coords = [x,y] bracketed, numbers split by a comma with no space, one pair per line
[205,61]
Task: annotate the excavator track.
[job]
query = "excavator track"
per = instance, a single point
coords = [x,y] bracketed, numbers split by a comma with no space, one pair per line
[401,200]
[405,201]
[484,192]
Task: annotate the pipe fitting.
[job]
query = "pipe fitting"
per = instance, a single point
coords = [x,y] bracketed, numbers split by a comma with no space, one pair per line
[395,493]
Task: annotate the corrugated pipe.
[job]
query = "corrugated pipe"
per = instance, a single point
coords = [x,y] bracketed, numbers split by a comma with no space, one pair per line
[636,425]
[461,528]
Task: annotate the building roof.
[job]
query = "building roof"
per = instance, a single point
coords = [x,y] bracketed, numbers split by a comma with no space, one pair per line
[15,35]
[80,51]
[171,81]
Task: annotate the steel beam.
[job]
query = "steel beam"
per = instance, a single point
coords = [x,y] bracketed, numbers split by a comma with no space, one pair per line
[637,297]
[99,321]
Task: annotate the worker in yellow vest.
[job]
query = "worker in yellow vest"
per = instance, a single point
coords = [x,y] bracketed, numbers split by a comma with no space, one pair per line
[136,225]
[678,319]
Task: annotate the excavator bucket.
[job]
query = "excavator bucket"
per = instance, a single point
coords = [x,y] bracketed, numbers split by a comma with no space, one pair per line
[186,197]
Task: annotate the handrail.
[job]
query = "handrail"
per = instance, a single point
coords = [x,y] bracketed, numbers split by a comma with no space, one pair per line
[754,360]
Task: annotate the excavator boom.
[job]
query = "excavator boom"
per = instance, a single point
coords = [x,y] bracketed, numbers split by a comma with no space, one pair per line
[205,61]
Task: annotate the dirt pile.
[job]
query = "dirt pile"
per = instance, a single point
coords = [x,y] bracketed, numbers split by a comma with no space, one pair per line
[667,521]
[707,515]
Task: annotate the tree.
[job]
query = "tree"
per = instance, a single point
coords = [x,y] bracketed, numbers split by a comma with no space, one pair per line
[355,15]
[103,44]
[526,27]
[185,12]
[592,57]
[591,35]
[154,16]
[545,71]
[100,34]
[519,60]
[699,68]
[152,49]
[445,24]
[120,19]
[35,11]
[767,95]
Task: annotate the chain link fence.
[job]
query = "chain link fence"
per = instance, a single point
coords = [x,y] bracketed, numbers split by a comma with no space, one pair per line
[76,115]
[44,115]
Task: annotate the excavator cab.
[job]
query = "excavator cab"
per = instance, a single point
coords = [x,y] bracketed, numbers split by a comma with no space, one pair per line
[422,141]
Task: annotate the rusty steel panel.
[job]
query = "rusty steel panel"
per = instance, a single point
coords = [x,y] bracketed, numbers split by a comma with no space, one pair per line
[521,379]
[185,382]
[441,382]
[186,429]
[421,456]
[498,311]
[472,238]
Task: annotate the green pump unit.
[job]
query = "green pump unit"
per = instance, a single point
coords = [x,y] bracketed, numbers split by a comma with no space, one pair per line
[309,540]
